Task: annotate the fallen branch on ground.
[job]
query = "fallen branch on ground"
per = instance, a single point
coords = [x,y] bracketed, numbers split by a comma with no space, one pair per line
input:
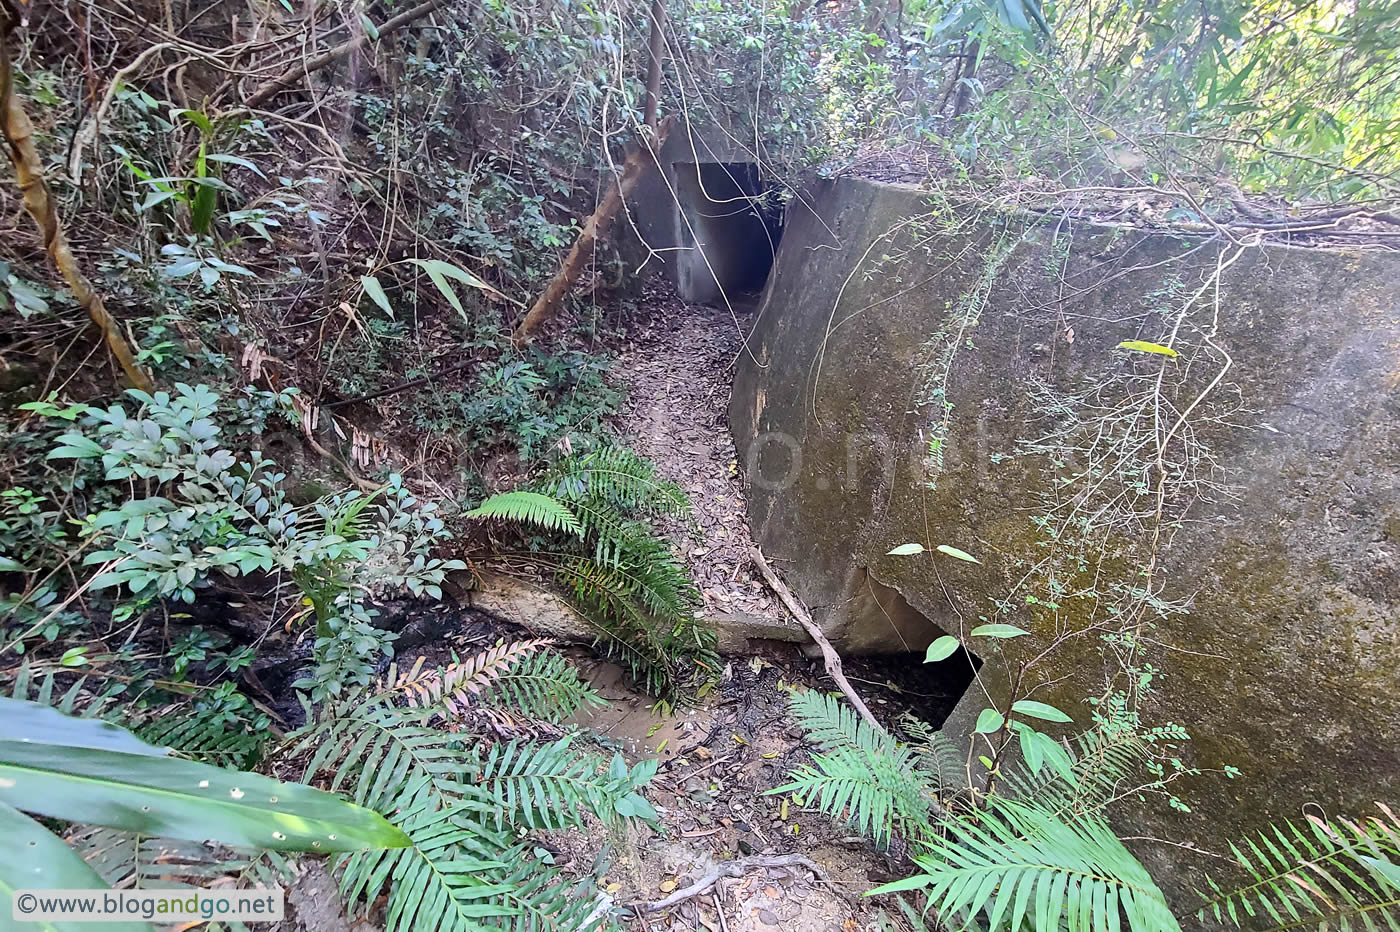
[829,655]
[735,868]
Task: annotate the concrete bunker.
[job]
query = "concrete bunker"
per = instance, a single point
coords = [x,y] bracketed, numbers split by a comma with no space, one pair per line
[727,229]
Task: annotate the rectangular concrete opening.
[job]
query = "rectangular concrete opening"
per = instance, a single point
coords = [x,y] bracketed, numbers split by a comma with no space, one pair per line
[729,225]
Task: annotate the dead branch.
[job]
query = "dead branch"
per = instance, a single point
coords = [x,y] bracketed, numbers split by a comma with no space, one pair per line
[594,228]
[289,77]
[29,174]
[829,655]
[735,868]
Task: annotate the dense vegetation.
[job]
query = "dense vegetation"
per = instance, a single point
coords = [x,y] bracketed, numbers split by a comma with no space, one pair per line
[275,390]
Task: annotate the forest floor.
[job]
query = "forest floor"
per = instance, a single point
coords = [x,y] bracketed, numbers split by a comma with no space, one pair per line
[720,758]
[677,367]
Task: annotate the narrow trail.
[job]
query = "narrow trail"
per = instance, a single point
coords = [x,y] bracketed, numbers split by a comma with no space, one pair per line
[678,370]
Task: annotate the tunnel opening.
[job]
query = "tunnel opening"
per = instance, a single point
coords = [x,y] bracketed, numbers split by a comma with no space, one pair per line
[729,223]
[930,691]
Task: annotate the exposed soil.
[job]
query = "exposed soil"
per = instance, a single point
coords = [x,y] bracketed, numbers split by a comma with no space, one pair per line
[678,367]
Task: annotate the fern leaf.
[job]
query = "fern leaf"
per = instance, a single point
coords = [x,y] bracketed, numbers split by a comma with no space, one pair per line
[1322,874]
[877,792]
[546,786]
[451,686]
[1020,866]
[543,686]
[530,508]
[617,477]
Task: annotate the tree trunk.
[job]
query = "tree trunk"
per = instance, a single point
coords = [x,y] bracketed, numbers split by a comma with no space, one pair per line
[594,228]
[29,174]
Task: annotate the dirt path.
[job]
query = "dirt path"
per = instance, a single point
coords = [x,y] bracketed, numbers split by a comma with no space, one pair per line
[678,367]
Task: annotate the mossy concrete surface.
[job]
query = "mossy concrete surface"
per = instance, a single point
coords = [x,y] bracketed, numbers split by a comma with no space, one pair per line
[924,372]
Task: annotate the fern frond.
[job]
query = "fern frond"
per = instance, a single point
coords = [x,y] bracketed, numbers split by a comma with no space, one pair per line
[441,883]
[450,686]
[831,724]
[545,785]
[527,507]
[624,481]
[204,736]
[876,791]
[543,686]
[940,758]
[544,901]
[1104,763]
[651,647]
[1323,874]
[1020,866]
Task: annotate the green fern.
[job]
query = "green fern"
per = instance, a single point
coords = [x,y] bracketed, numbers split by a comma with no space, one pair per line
[463,805]
[939,758]
[530,508]
[617,479]
[205,735]
[1343,874]
[623,578]
[543,686]
[863,775]
[1022,867]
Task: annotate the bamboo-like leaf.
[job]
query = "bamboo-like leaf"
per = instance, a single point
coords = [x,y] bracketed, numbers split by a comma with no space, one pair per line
[33,858]
[78,777]
[1143,346]
[957,554]
[375,290]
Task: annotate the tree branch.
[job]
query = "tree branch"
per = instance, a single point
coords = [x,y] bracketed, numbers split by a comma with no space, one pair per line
[829,655]
[29,175]
[289,77]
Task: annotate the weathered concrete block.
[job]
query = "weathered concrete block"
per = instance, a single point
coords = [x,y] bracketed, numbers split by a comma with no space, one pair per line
[1228,518]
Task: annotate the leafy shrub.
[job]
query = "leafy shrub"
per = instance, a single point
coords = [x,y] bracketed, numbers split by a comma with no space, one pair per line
[1039,853]
[192,509]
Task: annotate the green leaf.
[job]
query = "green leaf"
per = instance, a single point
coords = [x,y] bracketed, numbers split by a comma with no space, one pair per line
[438,269]
[197,118]
[76,447]
[989,721]
[941,649]
[1142,346]
[376,293]
[905,550]
[21,719]
[1040,710]
[958,554]
[79,778]
[998,631]
[33,858]
[9,565]
[235,160]
[370,29]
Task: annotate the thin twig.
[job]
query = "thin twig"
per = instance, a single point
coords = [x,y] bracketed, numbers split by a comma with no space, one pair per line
[735,868]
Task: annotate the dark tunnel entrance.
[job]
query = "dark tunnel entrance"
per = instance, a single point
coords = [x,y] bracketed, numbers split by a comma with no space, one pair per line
[729,227]
[928,690]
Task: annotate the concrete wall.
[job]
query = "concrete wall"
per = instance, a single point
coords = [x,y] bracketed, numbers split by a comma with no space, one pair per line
[922,377]
[693,216]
